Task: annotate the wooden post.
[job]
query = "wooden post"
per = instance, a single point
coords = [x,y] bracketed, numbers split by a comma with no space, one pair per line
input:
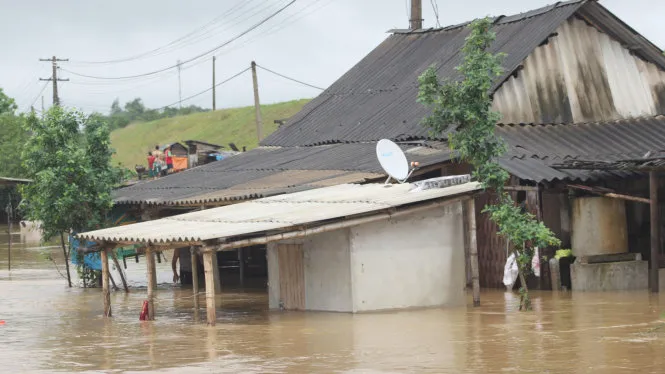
[257,104]
[215,269]
[9,232]
[122,274]
[655,231]
[105,283]
[195,278]
[208,265]
[473,249]
[241,266]
[150,261]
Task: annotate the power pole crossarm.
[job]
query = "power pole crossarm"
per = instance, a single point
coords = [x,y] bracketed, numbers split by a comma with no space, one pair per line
[54,78]
[257,104]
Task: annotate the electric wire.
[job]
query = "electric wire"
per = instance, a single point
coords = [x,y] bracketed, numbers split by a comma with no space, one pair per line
[289,78]
[193,58]
[435,8]
[208,89]
[39,94]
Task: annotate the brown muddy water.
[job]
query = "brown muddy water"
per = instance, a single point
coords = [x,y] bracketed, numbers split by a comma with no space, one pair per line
[50,328]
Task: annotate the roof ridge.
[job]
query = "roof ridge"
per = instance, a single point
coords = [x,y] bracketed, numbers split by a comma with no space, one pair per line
[630,119]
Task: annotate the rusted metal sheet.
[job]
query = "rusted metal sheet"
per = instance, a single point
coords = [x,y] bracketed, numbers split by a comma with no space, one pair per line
[581,74]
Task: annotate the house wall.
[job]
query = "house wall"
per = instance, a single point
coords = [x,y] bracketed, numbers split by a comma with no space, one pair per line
[581,75]
[413,261]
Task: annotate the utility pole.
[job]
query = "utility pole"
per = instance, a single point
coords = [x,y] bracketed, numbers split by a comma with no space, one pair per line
[54,78]
[257,104]
[179,88]
[214,103]
[42,105]
[416,19]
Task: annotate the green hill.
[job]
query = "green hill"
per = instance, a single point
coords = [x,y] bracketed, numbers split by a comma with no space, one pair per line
[235,125]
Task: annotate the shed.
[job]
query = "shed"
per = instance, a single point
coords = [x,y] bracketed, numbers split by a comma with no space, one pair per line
[346,248]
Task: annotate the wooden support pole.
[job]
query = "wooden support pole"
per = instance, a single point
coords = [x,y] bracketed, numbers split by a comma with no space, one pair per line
[195,277]
[152,283]
[208,258]
[215,269]
[473,249]
[655,231]
[241,266]
[106,292]
[122,274]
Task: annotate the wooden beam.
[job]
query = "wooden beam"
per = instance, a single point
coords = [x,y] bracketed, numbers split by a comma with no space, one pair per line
[122,273]
[106,292]
[655,231]
[470,206]
[521,188]
[195,278]
[210,287]
[152,282]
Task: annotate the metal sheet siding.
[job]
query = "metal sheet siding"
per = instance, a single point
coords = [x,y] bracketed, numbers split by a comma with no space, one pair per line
[278,212]
[581,75]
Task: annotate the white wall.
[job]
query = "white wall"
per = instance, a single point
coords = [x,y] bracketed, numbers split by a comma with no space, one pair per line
[328,272]
[413,261]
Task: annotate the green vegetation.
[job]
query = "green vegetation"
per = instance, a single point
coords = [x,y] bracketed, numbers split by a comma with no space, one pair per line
[134,110]
[68,157]
[12,137]
[467,104]
[235,125]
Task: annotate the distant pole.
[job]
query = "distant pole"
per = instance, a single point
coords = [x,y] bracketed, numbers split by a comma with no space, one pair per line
[257,104]
[179,88]
[54,77]
[42,104]
[416,19]
[655,232]
[214,104]
[9,232]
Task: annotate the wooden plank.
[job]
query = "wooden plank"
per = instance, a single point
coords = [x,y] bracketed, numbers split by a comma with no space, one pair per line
[291,276]
[106,292]
[208,265]
[152,281]
[604,258]
[473,249]
[122,274]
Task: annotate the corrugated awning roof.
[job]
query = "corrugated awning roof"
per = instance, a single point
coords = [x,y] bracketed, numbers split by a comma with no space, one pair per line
[270,171]
[276,213]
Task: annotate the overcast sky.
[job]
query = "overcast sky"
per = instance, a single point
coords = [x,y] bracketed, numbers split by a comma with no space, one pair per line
[314,41]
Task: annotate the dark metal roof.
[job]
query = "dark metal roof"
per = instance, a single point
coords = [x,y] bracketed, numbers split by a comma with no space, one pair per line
[535,149]
[269,171]
[377,98]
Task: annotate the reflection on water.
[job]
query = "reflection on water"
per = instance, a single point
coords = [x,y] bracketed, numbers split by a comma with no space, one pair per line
[52,328]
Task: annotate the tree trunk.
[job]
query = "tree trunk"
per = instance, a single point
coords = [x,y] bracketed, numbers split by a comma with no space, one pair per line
[525,300]
[66,253]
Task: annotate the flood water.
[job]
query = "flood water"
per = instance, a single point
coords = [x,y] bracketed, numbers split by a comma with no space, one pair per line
[51,328]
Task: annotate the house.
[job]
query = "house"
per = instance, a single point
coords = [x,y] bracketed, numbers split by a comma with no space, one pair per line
[578,83]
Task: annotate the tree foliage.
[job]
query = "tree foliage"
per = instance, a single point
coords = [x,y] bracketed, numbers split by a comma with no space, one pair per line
[135,110]
[12,137]
[462,109]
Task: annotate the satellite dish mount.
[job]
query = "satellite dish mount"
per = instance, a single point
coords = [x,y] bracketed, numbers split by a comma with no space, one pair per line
[393,161]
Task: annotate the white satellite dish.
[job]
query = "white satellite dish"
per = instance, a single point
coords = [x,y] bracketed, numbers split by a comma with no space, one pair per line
[392,160]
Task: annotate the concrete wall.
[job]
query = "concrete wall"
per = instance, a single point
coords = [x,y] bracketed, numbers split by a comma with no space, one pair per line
[413,261]
[611,276]
[328,272]
[599,226]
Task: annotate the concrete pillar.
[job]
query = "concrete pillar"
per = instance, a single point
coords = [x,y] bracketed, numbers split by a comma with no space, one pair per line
[208,264]
[105,283]
[152,283]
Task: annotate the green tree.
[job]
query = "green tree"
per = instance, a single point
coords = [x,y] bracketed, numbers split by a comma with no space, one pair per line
[7,104]
[68,157]
[12,137]
[466,104]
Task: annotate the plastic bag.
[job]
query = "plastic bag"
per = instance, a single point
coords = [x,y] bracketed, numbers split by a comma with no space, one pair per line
[535,263]
[510,272]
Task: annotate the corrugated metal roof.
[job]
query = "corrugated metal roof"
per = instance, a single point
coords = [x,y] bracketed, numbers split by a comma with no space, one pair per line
[534,148]
[377,98]
[269,171]
[275,213]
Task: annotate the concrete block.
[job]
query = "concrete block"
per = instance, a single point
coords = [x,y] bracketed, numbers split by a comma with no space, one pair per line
[612,276]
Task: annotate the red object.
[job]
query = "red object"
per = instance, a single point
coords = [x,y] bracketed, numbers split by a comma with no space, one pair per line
[144,311]
[151,161]
[169,157]
[2,322]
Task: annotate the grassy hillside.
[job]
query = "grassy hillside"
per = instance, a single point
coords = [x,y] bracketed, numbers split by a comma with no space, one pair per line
[235,125]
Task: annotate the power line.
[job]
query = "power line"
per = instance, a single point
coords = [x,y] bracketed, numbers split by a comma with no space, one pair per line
[208,89]
[238,6]
[435,8]
[195,57]
[39,94]
[289,78]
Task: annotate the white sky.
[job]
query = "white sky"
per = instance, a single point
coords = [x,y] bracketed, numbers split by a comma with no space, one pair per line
[315,41]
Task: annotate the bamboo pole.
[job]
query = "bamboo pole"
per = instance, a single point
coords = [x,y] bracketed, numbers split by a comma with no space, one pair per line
[150,261]
[210,287]
[105,283]
[122,274]
[473,249]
